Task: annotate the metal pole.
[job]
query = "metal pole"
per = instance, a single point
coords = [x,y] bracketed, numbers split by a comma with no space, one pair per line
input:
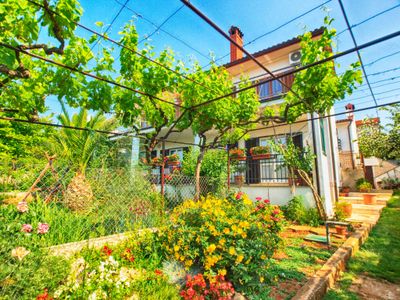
[229,169]
[163,170]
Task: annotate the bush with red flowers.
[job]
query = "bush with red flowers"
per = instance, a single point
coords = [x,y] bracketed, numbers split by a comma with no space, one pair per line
[217,288]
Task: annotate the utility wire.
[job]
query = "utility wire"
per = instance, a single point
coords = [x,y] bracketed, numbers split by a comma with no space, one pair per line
[87,74]
[112,23]
[276,29]
[358,52]
[162,24]
[370,18]
[164,31]
[220,31]
[381,58]
[123,46]
[302,68]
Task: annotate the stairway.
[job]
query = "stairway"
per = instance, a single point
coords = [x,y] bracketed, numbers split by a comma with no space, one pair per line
[365,213]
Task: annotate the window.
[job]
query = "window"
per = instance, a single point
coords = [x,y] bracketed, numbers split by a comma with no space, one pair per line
[178,151]
[269,89]
[322,132]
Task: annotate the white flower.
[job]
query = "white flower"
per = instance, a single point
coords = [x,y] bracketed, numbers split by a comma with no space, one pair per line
[20,252]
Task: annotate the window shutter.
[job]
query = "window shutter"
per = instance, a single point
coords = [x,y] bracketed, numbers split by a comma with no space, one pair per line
[253,166]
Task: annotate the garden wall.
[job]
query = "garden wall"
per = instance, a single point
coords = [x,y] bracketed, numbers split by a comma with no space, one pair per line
[279,195]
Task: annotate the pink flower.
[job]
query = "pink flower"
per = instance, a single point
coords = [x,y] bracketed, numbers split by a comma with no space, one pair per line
[43,228]
[22,206]
[276,211]
[26,228]
[258,199]
[266,201]
[239,195]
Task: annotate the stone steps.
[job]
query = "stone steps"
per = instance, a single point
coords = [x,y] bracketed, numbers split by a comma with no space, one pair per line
[363,218]
[365,209]
[378,194]
[360,200]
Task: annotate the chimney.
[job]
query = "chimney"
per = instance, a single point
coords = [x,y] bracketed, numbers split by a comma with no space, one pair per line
[237,36]
[350,108]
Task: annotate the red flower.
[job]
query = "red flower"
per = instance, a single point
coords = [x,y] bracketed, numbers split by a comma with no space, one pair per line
[158,272]
[106,250]
[258,199]
[266,201]
[239,195]
[276,211]
[44,296]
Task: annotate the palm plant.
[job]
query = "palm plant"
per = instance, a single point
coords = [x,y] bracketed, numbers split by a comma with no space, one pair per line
[78,148]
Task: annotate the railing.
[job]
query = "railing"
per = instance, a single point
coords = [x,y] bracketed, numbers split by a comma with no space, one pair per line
[251,171]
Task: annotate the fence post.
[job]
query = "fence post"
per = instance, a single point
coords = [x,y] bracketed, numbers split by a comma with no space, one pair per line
[228,169]
[163,170]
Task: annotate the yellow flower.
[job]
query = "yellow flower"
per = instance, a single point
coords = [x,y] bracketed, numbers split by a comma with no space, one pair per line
[211,248]
[20,252]
[244,224]
[222,242]
[261,279]
[263,257]
[232,251]
[222,272]
[226,230]
[239,259]
[176,248]
[188,263]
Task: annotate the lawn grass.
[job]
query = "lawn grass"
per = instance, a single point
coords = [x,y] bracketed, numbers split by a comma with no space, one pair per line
[379,257]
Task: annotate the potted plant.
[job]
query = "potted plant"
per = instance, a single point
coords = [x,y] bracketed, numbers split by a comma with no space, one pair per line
[345,208]
[237,154]
[239,176]
[341,213]
[173,160]
[346,189]
[157,161]
[260,152]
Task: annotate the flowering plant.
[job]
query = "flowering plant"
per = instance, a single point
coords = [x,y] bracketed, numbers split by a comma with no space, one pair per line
[173,157]
[232,237]
[236,153]
[216,289]
[260,150]
[157,161]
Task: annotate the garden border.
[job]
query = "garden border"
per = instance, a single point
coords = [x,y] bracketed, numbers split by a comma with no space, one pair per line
[317,286]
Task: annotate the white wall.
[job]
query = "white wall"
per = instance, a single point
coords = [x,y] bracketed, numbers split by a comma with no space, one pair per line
[278,195]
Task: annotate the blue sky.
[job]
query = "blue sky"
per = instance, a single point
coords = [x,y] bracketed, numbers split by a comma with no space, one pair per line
[254,18]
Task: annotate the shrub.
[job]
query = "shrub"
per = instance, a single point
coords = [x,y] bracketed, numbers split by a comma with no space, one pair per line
[217,288]
[363,185]
[295,211]
[232,237]
[260,150]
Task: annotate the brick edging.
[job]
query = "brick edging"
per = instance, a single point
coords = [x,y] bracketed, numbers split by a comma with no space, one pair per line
[317,286]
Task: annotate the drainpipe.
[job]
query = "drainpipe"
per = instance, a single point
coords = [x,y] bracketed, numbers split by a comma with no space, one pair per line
[315,153]
[350,144]
[333,161]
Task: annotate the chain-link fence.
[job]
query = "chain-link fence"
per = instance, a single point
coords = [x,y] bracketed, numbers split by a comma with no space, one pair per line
[54,204]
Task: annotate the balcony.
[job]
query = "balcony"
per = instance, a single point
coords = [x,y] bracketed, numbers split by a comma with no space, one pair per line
[250,171]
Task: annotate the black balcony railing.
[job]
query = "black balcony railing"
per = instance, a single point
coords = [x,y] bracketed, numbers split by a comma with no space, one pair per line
[251,171]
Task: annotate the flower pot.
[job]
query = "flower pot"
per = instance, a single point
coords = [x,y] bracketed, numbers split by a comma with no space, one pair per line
[261,156]
[343,194]
[241,158]
[341,230]
[173,163]
[369,199]
[346,189]
[347,209]
[239,179]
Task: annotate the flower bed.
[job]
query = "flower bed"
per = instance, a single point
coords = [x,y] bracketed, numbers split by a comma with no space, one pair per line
[210,249]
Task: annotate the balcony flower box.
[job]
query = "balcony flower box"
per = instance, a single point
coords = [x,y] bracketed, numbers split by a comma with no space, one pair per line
[173,160]
[157,161]
[260,152]
[237,154]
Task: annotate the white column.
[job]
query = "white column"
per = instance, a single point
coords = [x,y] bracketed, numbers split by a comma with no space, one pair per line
[135,151]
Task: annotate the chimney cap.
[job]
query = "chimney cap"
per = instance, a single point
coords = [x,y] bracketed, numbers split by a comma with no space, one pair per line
[235,29]
[349,106]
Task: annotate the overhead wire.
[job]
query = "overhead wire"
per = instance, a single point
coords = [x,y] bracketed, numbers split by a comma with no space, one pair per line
[88,74]
[358,52]
[276,28]
[105,37]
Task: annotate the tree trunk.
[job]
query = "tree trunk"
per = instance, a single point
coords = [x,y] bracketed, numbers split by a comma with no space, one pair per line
[317,198]
[197,173]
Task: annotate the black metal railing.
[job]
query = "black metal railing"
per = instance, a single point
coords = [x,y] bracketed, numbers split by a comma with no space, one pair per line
[252,171]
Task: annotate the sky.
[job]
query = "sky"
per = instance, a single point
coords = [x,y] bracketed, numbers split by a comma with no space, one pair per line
[190,36]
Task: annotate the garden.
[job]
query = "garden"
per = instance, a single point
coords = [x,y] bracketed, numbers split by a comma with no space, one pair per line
[209,249]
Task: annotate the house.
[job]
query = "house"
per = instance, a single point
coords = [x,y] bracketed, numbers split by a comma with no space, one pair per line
[353,164]
[267,177]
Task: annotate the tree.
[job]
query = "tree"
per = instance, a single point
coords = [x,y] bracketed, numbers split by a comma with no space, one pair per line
[78,148]
[315,90]
[220,122]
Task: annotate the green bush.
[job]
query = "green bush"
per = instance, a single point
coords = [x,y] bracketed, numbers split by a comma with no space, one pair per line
[295,211]
[233,237]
